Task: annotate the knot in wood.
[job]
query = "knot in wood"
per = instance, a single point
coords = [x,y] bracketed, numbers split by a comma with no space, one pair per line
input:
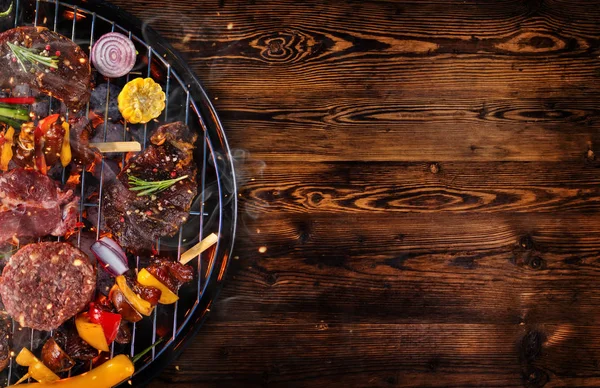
[283,46]
[434,168]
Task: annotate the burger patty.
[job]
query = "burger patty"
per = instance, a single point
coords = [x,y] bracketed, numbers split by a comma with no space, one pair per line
[45,284]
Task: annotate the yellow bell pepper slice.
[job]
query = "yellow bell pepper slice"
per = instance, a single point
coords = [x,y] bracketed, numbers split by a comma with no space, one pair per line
[92,333]
[26,358]
[37,369]
[7,152]
[109,374]
[65,151]
[142,306]
[167,296]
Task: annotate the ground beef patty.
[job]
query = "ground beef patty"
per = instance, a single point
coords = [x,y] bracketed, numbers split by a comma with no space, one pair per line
[45,284]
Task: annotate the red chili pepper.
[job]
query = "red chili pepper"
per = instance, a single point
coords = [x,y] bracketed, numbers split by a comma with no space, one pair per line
[109,321]
[40,131]
[18,100]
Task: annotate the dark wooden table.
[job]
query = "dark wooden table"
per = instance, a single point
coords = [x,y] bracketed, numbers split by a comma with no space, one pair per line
[419,191]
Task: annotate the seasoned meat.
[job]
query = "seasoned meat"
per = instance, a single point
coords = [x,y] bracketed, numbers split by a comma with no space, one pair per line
[45,284]
[69,82]
[171,273]
[137,221]
[149,294]
[32,205]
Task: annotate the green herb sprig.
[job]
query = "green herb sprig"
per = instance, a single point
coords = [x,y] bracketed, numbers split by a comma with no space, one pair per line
[27,55]
[7,12]
[148,187]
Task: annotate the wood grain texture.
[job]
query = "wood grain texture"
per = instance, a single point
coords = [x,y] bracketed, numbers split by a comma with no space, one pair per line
[419,191]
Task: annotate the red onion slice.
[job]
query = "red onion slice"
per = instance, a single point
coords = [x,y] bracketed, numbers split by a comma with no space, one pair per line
[113,55]
[111,256]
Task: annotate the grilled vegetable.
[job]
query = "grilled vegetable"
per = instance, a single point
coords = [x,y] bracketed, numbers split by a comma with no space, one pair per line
[111,256]
[109,374]
[24,151]
[166,296]
[141,100]
[113,55]
[124,333]
[7,151]
[55,358]
[40,133]
[109,321]
[92,333]
[123,306]
[37,369]
[142,306]
[65,150]
[69,340]
[17,100]
[13,115]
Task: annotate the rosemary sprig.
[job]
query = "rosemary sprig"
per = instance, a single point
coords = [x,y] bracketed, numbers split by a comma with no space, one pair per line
[27,55]
[8,11]
[148,187]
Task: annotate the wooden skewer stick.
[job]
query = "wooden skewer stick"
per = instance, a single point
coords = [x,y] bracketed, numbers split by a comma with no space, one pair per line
[118,146]
[197,249]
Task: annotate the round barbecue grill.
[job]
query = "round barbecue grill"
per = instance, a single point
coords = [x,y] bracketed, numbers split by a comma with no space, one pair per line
[214,211]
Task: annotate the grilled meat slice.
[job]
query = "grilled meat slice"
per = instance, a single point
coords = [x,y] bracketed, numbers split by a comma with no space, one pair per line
[32,205]
[171,273]
[69,82]
[137,221]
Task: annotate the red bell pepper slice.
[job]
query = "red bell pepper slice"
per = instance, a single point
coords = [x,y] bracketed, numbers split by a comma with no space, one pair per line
[40,131]
[18,100]
[109,321]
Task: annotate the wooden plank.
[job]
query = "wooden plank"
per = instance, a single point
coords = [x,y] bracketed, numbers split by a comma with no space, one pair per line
[415,268]
[359,188]
[376,87]
[410,355]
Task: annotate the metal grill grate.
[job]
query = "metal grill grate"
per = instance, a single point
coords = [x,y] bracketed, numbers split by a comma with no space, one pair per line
[213,211]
